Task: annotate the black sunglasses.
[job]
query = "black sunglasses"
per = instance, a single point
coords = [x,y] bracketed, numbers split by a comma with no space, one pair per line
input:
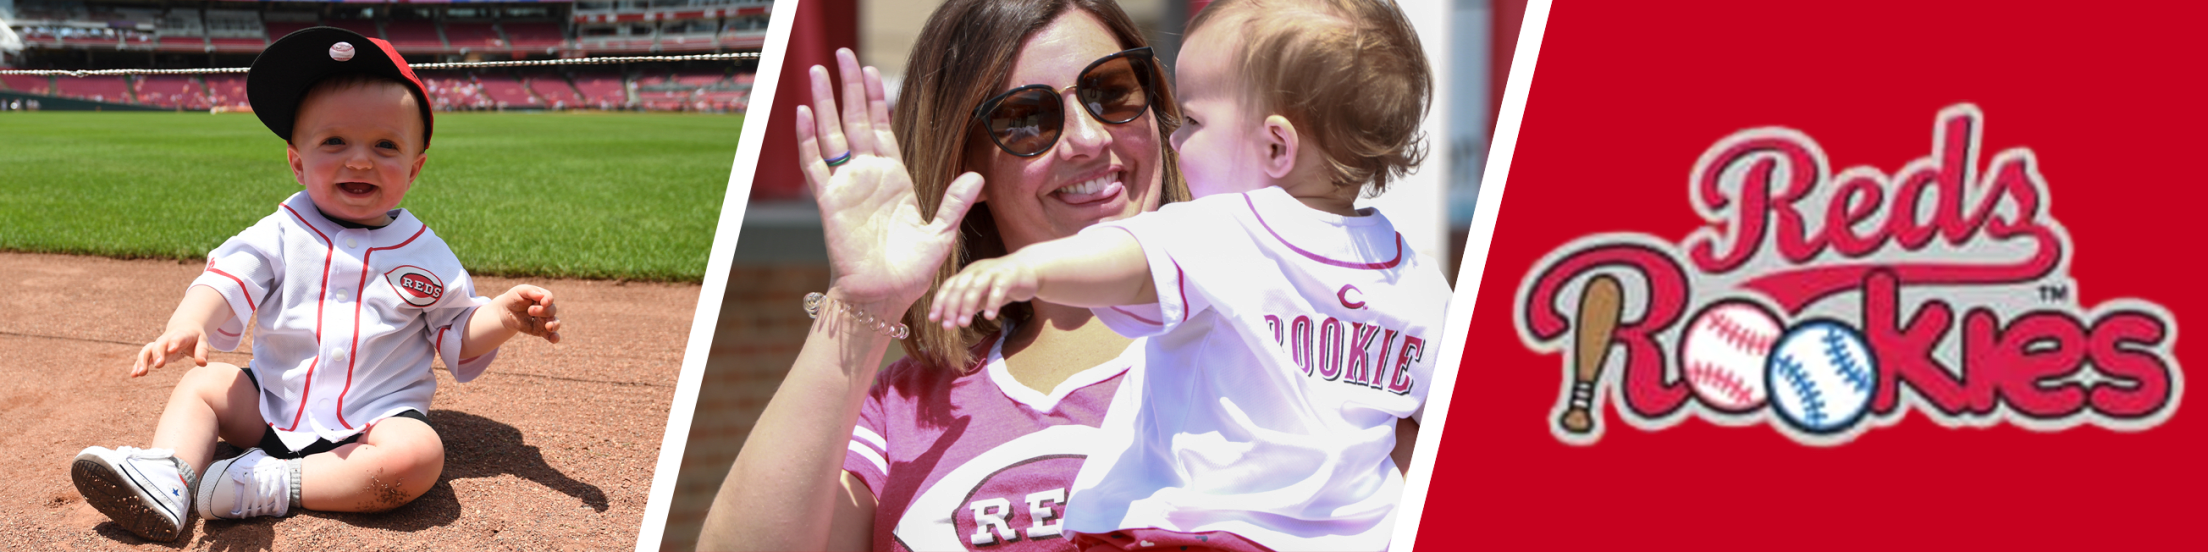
[1115,89]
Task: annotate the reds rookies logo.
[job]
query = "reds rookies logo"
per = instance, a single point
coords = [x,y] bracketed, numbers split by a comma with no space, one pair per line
[417,286]
[1826,304]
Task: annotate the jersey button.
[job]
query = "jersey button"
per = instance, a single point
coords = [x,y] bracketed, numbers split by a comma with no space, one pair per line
[341,296]
[350,244]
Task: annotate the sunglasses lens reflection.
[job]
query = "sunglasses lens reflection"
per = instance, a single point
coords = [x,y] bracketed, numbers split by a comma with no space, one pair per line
[1114,91]
[1027,122]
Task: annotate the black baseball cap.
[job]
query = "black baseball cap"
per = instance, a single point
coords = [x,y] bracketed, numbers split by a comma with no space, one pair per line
[282,74]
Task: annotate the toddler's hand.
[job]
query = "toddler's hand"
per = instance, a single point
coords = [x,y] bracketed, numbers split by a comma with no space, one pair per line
[187,342]
[528,309]
[983,287]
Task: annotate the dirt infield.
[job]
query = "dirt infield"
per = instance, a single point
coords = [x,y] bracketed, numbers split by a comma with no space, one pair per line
[553,448]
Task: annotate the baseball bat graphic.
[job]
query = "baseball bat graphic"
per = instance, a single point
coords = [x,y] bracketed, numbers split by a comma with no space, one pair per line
[1600,305]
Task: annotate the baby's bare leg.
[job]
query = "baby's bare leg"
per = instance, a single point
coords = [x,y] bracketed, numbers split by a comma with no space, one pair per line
[393,463]
[212,400]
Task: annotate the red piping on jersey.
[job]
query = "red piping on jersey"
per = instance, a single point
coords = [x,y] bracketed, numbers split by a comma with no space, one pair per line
[1180,280]
[354,358]
[1323,260]
[463,346]
[329,250]
[1137,317]
[247,292]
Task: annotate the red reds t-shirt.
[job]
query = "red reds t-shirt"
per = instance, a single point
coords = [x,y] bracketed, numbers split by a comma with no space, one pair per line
[974,460]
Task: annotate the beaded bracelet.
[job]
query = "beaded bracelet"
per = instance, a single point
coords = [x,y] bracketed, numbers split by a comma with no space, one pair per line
[895,330]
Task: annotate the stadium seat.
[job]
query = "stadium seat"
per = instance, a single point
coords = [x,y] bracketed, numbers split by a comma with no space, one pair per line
[27,84]
[277,29]
[98,89]
[227,91]
[364,27]
[471,37]
[602,90]
[506,92]
[534,35]
[554,90]
[414,36]
[171,91]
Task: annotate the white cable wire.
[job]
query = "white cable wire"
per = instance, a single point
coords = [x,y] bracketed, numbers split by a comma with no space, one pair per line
[419,66]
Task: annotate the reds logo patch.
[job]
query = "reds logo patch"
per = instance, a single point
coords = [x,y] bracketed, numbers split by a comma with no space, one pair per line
[1823,305]
[417,286]
[1011,497]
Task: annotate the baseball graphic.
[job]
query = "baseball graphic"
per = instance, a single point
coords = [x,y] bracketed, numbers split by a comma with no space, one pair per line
[341,51]
[1724,353]
[1821,375]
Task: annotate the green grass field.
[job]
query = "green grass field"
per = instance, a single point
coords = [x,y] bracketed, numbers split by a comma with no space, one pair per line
[590,195]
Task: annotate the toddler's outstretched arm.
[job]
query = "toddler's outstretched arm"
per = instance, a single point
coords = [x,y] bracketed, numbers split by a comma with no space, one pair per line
[1092,269]
[202,311]
[526,309]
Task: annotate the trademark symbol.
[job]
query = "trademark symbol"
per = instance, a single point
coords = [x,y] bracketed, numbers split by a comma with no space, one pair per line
[2054,293]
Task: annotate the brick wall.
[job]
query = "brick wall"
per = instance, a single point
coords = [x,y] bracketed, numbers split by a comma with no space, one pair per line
[762,324]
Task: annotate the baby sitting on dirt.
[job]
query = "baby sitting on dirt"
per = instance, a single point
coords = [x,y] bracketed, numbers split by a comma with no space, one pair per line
[360,296]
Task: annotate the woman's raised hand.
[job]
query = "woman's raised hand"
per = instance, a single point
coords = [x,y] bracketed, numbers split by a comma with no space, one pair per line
[882,251]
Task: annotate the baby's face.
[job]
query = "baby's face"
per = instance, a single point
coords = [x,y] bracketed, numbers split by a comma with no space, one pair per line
[1220,143]
[357,150]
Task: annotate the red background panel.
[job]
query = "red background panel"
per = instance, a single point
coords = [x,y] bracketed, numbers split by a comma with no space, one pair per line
[1626,97]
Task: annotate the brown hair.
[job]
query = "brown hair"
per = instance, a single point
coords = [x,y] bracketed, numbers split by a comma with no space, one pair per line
[963,56]
[1349,73]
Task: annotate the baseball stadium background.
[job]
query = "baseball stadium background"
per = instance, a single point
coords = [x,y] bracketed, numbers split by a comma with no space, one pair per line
[780,255]
[601,182]
[167,34]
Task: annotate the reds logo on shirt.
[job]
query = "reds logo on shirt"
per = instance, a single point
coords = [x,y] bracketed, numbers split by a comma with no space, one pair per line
[417,286]
[1011,497]
[1824,305]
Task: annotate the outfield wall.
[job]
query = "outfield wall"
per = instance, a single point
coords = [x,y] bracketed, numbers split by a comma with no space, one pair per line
[57,103]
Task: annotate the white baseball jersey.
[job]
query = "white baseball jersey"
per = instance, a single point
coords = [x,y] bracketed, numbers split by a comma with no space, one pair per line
[347,318]
[1285,344]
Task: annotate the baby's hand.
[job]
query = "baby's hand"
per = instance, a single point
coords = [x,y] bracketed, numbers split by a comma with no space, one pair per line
[528,309]
[983,287]
[186,342]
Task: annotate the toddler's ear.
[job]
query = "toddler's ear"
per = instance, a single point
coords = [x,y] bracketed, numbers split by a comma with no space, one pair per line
[1282,143]
[416,170]
[298,164]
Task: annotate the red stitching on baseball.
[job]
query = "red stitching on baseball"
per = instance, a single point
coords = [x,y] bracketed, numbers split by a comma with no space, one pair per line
[1739,336]
[1701,372]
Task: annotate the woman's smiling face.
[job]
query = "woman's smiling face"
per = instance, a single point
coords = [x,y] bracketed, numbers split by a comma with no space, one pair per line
[1096,172]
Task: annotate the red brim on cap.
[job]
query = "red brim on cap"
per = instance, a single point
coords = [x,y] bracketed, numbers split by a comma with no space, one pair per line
[282,74]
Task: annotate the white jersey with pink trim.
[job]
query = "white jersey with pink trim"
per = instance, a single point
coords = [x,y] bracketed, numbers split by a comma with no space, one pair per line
[1285,345]
[346,319]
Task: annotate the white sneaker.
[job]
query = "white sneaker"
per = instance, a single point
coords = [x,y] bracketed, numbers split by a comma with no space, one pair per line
[250,485]
[147,491]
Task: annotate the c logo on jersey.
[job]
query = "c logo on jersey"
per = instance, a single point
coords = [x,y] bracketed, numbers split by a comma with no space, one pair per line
[417,286]
[1011,497]
[1826,304]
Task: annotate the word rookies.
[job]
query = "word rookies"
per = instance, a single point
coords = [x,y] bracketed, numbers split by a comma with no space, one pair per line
[1344,351]
[1825,304]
